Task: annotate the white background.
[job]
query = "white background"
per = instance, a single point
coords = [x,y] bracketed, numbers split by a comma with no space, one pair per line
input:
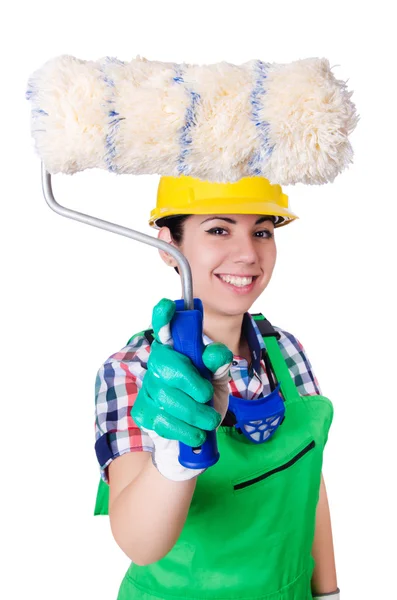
[73,294]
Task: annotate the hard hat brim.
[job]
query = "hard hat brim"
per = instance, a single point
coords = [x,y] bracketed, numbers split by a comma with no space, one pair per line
[247,207]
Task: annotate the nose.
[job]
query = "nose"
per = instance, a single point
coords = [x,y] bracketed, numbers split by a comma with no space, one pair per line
[245,250]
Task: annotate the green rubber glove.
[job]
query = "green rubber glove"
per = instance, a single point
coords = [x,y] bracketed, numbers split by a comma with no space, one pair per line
[170,405]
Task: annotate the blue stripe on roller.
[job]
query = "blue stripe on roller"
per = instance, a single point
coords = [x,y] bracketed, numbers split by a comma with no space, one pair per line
[31,94]
[114,120]
[185,139]
[257,160]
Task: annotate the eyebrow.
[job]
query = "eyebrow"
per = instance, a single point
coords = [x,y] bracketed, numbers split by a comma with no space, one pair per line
[233,222]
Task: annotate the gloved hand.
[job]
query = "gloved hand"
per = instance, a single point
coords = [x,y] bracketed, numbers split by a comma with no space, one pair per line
[170,406]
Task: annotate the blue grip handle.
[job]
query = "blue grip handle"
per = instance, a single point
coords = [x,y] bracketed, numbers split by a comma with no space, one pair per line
[187,333]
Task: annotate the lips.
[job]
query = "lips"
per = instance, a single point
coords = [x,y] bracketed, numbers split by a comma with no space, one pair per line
[236,275]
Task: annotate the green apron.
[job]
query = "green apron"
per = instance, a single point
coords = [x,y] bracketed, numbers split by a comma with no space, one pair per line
[250,526]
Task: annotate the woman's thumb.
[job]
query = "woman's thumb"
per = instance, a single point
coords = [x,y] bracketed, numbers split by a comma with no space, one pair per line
[162,316]
[217,358]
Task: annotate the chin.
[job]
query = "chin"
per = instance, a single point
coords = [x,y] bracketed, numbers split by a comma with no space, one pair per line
[230,309]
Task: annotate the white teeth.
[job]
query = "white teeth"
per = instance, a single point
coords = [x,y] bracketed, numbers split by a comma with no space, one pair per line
[238,281]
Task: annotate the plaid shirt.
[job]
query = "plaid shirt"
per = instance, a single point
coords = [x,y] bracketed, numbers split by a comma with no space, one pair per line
[120,377]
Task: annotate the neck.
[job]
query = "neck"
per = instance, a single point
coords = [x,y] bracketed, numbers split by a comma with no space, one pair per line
[226,330]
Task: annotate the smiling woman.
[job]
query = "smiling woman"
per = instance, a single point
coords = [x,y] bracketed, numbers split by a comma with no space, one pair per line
[242,527]
[173,521]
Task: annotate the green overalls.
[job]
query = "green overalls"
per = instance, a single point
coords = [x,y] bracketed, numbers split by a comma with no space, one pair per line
[250,526]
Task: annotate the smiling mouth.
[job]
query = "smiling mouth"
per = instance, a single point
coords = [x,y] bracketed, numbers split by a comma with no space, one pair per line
[239,281]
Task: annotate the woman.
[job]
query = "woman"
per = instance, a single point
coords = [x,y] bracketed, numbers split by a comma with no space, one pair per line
[256,524]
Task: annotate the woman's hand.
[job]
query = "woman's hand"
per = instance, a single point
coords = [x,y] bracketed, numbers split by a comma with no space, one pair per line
[171,404]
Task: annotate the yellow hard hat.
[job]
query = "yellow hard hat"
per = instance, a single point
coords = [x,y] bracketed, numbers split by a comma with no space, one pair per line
[186,195]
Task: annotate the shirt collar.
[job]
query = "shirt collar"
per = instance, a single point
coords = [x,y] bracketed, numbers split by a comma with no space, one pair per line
[254,339]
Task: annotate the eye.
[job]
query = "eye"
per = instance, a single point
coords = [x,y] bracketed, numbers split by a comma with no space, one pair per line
[263,234]
[214,230]
[268,234]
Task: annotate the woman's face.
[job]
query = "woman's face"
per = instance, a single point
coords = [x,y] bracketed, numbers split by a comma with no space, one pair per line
[231,247]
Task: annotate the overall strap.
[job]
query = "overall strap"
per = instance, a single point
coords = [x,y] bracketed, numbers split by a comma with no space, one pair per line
[270,337]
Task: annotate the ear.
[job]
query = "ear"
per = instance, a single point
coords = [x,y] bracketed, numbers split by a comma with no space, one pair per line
[165,235]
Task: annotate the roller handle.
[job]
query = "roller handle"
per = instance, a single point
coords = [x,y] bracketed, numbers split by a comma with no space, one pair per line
[187,333]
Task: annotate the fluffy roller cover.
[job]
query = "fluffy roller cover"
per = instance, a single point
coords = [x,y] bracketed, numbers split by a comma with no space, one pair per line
[287,122]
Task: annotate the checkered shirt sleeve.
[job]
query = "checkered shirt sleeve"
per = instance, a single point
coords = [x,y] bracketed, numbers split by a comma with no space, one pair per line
[116,386]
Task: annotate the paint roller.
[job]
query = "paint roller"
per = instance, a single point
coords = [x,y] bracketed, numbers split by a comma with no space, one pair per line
[289,123]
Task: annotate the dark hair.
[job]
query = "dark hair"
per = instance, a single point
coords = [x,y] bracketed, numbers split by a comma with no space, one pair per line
[175,225]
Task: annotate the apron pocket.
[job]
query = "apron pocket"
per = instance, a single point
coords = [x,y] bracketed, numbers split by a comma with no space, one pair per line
[287,465]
